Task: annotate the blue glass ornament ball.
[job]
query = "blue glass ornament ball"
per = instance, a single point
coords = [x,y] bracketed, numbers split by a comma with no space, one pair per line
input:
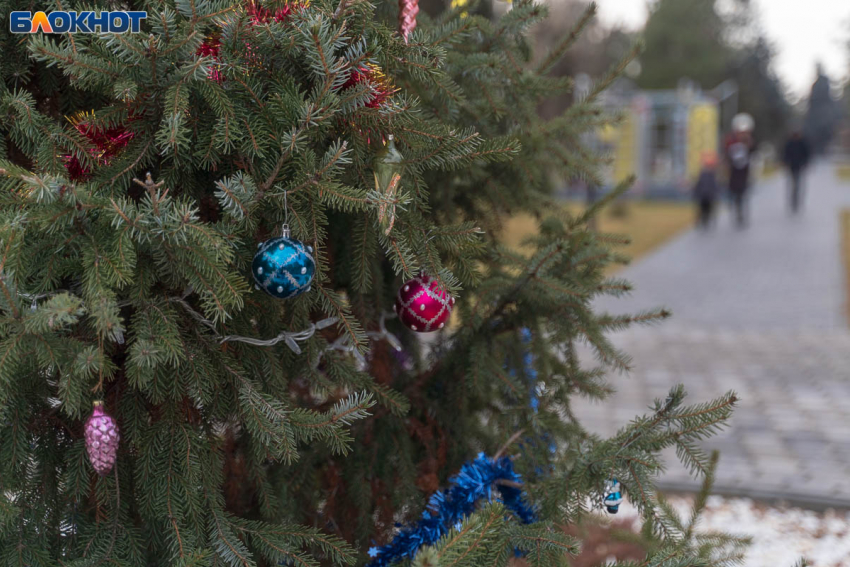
[283,267]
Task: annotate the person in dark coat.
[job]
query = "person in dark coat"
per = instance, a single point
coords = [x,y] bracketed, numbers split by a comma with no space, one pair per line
[739,149]
[706,190]
[796,157]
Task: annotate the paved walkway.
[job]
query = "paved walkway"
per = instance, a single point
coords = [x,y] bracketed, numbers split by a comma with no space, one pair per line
[760,311]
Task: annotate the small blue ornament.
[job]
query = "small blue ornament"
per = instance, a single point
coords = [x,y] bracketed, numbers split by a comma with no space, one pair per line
[613,498]
[283,267]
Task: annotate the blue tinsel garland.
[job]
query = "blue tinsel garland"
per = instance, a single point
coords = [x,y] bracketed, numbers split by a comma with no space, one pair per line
[473,483]
[448,508]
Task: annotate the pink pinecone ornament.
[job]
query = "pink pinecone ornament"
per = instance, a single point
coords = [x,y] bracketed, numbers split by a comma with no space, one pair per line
[102,439]
[422,306]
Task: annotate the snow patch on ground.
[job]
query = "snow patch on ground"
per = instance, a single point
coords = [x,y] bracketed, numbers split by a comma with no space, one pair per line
[781,535]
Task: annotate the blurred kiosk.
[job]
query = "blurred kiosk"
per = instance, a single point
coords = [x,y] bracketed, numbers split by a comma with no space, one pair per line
[660,137]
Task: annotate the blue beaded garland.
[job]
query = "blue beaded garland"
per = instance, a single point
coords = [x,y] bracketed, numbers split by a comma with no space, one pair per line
[283,267]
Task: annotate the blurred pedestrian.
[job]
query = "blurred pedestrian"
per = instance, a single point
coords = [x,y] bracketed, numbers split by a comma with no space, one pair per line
[739,149]
[706,190]
[796,157]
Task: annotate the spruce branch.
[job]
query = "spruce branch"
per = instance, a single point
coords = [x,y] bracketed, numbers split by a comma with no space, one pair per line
[615,71]
[539,263]
[265,186]
[341,8]
[507,444]
[153,190]
[569,39]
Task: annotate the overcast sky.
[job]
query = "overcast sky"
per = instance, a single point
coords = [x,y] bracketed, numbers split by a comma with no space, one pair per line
[804,32]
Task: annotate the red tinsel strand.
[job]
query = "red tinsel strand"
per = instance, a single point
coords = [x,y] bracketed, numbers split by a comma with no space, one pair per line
[261,15]
[107,144]
[407,11]
[212,47]
[258,15]
[382,88]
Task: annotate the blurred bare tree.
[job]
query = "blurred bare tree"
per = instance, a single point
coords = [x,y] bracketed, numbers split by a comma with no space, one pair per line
[594,52]
[695,39]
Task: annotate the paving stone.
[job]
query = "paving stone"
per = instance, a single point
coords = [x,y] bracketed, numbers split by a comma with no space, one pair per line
[761,312]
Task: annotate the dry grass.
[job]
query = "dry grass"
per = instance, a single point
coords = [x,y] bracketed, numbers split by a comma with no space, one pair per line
[845,254]
[649,224]
[843,172]
[770,169]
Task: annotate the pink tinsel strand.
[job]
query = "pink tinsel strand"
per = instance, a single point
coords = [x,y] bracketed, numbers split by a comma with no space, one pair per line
[102,438]
[407,11]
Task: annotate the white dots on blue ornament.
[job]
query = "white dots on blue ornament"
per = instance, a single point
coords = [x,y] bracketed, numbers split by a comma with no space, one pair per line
[283,267]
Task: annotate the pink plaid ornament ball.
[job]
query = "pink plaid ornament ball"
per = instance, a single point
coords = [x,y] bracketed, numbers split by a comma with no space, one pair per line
[102,439]
[422,306]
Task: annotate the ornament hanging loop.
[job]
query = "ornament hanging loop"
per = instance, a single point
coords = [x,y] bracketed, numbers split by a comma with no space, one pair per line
[285,232]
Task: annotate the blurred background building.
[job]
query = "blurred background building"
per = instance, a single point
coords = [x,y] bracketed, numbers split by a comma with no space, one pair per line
[660,137]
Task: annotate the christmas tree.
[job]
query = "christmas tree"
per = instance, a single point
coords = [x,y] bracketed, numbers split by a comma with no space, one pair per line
[279,405]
